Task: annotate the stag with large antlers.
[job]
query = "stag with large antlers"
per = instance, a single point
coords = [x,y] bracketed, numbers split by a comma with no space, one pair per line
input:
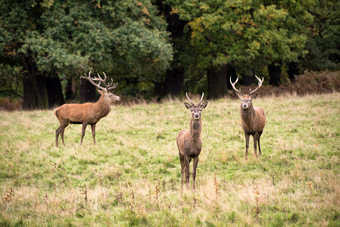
[189,140]
[87,113]
[253,119]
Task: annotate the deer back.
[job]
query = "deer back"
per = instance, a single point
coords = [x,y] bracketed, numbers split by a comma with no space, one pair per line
[87,112]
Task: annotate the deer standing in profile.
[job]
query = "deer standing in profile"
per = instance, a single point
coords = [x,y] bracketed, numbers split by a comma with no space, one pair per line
[189,140]
[253,119]
[87,113]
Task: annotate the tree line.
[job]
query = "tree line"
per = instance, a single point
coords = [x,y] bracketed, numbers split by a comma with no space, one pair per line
[157,48]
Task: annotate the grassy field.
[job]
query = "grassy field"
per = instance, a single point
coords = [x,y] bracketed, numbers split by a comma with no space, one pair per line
[132,175]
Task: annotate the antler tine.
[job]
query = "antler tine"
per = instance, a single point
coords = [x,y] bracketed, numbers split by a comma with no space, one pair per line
[260,81]
[104,80]
[189,98]
[201,98]
[91,80]
[110,84]
[233,85]
[259,84]
[113,86]
[104,76]
[99,78]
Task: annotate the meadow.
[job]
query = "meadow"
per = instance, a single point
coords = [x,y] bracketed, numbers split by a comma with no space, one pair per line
[132,176]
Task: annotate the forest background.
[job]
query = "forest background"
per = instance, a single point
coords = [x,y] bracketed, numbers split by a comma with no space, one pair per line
[156,49]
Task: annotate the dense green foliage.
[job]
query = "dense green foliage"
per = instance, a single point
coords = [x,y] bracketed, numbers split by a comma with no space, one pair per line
[239,31]
[132,175]
[324,42]
[68,38]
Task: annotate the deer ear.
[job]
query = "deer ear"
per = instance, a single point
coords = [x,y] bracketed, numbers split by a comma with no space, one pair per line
[100,92]
[187,105]
[254,95]
[204,104]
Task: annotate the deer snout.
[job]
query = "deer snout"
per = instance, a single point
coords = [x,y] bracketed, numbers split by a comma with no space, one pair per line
[245,106]
[118,98]
[197,116]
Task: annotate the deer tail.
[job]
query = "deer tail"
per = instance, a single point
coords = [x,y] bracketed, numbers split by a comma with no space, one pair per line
[55,111]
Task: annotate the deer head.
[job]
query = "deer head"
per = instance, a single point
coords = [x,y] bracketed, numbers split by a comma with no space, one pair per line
[195,109]
[104,91]
[246,99]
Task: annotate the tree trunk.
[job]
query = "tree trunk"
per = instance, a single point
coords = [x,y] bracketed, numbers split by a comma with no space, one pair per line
[40,91]
[274,71]
[87,91]
[231,72]
[35,92]
[247,79]
[217,82]
[70,89]
[293,70]
[157,91]
[29,101]
[174,82]
[55,94]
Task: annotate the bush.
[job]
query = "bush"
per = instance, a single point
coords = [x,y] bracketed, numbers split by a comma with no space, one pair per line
[7,105]
[316,83]
[307,83]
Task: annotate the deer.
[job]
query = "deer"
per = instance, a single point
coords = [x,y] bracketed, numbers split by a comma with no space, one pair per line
[189,140]
[87,113]
[253,118]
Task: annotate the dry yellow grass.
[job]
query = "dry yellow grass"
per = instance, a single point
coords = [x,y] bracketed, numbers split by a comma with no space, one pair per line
[132,175]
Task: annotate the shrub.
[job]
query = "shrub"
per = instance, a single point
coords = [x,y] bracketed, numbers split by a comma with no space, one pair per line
[7,105]
[307,83]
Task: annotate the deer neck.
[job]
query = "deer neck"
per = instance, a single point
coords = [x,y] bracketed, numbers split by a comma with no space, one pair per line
[195,128]
[248,115]
[101,106]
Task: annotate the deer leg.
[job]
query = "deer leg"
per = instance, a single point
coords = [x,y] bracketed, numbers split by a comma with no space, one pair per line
[247,145]
[57,132]
[83,132]
[256,138]
[260,133]
[187,172]
[93,127]
[62,133]
[60,130]
[181,158]
[194,171]
[62,136]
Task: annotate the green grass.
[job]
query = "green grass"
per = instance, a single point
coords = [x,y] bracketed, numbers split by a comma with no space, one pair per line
[132,175]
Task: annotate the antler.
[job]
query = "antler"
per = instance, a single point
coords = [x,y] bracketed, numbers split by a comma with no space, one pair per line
[107,87]
[91,80]
[233,85]
[191,102]
[111,85]
[259,84]
[201,98]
